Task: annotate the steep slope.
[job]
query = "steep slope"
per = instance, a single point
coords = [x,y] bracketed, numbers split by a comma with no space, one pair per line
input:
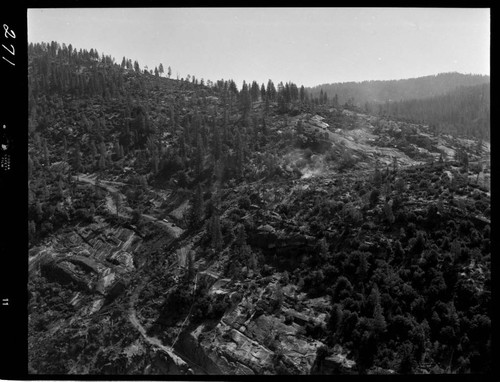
[178,229]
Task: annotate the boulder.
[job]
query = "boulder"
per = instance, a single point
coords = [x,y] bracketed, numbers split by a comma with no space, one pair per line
[338,363]
[105,283]
[122,258]
[297,317]
[85,263]
[59,167]
[208,277]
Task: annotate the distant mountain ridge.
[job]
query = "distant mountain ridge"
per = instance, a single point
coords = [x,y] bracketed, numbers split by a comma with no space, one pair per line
[462,111]
[358,93]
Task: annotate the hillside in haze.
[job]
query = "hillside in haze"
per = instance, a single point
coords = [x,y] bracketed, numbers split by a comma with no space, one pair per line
[451,102]
[178,227]
[359,93]
[464,111]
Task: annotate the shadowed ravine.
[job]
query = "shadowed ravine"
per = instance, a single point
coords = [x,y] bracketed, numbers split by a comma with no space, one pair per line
[183,363]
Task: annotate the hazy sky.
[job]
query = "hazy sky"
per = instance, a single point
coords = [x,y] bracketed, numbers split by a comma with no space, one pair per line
[308,46]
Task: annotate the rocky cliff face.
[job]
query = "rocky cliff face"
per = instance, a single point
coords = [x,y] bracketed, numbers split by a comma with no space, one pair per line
[96,258]
[256,335]
[82,279]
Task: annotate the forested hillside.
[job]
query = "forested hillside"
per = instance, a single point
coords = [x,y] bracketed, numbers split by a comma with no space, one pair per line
[451,102]
[358,93]
[194,227]
[464,111]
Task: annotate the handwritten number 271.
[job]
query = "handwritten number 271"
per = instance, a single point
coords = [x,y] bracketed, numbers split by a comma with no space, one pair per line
[9,34]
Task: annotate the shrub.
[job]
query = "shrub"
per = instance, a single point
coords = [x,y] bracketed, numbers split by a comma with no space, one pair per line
[347,161]
[388,213]
[244,202]
[288,319]
[342,289]
[374,196]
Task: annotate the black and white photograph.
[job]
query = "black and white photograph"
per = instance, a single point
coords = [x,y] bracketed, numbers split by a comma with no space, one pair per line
[256,191]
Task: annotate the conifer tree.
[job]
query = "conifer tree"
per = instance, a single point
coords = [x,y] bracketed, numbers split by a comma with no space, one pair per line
[216,142]
[216,233]
[245,100]
[271,91]
[155,163]
[93,151]
[182,148]
[379,323]
[389,215]
[102,162]
[65,148]
[117,150]
[241,236]
[102,149]
[362,270]
[335,317]
[239,154]
[262,92]
[196,215]
[77,159]
[282,106]
[199,156]
[254,91]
